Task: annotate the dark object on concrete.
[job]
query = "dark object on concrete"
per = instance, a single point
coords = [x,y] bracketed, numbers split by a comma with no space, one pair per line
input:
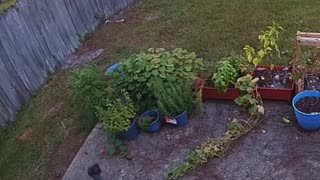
[95,172]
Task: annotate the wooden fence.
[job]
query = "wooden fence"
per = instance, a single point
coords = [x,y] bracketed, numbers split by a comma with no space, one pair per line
[35,38]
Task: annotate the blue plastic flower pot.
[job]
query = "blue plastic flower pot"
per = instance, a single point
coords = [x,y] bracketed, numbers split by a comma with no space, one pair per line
[182,119]
[155,126]
[132,132]
[307,121]
[112,68]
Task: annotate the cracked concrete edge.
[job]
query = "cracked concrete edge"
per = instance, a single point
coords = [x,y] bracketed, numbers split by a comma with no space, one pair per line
[76,169]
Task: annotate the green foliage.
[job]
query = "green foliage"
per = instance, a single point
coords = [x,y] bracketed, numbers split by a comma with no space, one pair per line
[6,5]
[145,121]
[137,72]
[173,97]
[269,41]
[117,146]
[229,68]
[253,57]
[249,97]
[270,37]
[225,76]
[89,87]
[116,113]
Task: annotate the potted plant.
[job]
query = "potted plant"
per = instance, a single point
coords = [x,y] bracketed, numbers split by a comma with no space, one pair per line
[307,109]
[150,121]
[221,84]
[275,82]
[118,116]
[174,100]
[138,71]
[307,63]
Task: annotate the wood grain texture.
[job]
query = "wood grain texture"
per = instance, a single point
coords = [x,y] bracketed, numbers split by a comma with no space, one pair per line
[35,39]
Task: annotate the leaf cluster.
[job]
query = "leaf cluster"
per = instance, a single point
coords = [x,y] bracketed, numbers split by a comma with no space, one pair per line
[89,87]
[229,68]
[145,122]
[249,97]
[116,113]
[137,72]
[269,40]
[172,98]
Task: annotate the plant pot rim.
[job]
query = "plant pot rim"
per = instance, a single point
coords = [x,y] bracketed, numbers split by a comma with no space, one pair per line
[157,116]
[181,114]
[177,116]
[133,122]
[295,100]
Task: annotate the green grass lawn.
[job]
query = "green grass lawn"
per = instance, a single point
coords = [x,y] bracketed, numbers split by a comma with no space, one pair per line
[6,5]
[47,133]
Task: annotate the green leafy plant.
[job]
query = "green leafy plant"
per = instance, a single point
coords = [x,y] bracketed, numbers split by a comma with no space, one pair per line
[270,37]
[145,122]
[116,113]
[225,76]
[88,89]
[229,68]
[174,97]
[213,148]
[269,40]
[209,149]
[137,72]
[249,97]
[118,146]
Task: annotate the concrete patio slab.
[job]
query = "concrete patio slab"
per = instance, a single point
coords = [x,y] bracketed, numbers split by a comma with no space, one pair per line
[275,150]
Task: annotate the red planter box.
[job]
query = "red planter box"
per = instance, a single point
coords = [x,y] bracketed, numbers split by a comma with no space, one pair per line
[275,93]
[209,92]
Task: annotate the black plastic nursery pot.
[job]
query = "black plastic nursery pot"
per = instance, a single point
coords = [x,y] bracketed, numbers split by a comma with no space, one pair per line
[274,93]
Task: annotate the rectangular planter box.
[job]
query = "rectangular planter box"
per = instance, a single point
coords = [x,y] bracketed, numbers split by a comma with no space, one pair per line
[284,94]
[209,92]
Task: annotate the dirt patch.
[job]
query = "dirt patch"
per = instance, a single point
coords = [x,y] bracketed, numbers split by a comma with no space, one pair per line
[26,135]
[63,156]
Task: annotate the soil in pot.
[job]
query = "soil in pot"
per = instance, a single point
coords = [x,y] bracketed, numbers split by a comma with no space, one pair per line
[312,82]
[277,78]
[309,105]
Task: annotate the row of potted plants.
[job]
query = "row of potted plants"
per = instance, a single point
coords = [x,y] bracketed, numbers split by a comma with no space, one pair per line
[157,79]
[307,101]
[275,82]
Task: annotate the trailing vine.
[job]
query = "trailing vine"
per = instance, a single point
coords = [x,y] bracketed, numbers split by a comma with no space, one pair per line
[213,148]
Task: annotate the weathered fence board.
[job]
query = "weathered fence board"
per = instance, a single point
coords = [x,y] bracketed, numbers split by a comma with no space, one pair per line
[36,37]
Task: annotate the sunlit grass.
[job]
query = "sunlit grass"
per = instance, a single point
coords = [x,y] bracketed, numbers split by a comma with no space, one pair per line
[6,5]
